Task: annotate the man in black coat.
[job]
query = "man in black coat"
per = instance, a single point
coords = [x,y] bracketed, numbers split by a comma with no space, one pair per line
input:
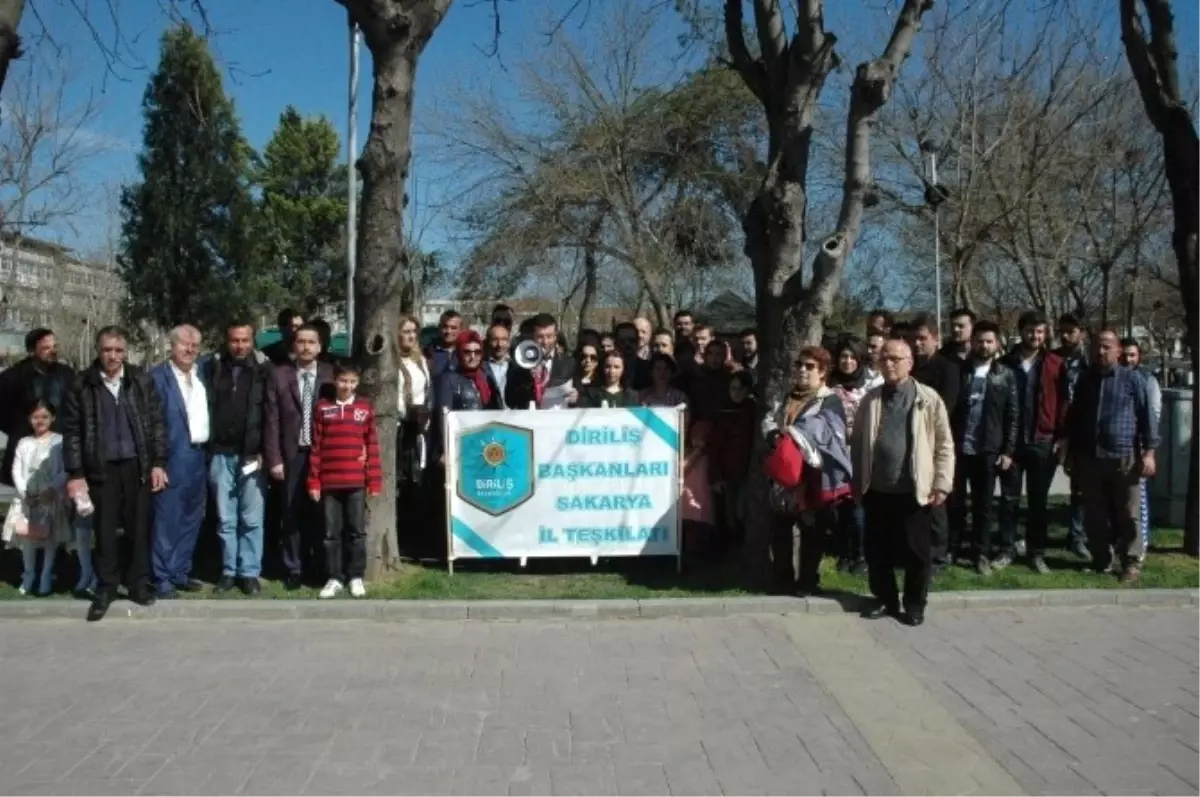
[115,452]
[933,369]
[555,371]
[38,376]
[986,427]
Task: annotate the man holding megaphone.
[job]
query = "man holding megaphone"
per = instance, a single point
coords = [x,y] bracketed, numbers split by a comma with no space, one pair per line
[544,378]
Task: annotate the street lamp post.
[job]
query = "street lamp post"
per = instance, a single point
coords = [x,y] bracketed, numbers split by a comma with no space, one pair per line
[935,195]
[352,181]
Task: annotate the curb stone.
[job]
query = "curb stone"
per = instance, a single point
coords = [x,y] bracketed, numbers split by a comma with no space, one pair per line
[401,610]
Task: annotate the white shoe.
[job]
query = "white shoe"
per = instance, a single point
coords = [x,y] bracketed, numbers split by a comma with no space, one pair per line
[357,588]
[332,589]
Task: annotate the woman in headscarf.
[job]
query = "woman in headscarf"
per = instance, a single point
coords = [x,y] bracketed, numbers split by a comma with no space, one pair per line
[851,379]
[814,419]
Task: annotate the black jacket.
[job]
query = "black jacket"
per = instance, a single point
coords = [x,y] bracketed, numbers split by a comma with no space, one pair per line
[18,389]
[212,369]
[519,393]
[455,392]
[83,439]
[943,374]
[1001,416]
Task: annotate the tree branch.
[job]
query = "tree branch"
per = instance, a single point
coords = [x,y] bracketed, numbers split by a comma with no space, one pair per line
[871,89]
[751,69]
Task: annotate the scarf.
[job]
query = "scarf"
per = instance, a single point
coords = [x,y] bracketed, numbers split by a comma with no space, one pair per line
[476,374]
[797,401]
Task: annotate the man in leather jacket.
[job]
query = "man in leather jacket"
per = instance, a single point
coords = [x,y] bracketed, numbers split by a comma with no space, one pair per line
[986,423]
[114,451]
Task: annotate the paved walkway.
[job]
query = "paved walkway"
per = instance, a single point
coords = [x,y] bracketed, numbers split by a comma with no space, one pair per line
[1032,700]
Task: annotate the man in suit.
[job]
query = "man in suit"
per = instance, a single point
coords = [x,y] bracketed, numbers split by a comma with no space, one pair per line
[525,386]
[238,380]
[115,452]
[291,400]
[499,364]
[178,510]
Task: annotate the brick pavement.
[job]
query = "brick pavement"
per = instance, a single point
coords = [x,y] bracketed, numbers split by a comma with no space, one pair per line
[1034,700]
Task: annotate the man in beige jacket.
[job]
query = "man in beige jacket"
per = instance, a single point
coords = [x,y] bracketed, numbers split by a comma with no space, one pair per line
[903,457]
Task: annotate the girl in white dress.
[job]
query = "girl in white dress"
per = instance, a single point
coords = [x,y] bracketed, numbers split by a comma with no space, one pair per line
[37,518]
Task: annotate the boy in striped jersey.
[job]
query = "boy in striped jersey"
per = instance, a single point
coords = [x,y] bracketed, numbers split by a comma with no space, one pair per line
[344,465]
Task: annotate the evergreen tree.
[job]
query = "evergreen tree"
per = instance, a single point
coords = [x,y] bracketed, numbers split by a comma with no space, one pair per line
[186,252]
[303,214]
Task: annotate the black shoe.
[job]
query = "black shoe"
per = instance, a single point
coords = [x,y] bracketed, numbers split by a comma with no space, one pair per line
[293,582]
[99,607]
[191,585]
[251,587]
[169,595]
[144,597]
[223,585]
[914,618]
[881,611]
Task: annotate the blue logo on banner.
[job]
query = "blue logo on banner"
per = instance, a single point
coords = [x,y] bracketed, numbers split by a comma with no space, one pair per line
[495,467]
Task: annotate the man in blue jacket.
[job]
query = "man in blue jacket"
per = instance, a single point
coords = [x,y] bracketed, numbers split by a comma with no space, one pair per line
[178,510]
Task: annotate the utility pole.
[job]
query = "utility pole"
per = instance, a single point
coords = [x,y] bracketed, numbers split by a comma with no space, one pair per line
[352,183]
[935,195]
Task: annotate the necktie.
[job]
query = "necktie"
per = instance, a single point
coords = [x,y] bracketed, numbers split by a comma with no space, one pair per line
[306,408]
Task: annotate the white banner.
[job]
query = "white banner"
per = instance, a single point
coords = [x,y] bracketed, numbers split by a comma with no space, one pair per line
[527,483]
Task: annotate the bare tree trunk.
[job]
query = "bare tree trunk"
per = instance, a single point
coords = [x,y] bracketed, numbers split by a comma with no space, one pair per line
[395,35]
[1155,68]
[787,77]
[10,43]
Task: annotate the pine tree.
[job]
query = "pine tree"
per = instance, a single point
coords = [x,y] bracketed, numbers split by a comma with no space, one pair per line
[186,253]
[303,214]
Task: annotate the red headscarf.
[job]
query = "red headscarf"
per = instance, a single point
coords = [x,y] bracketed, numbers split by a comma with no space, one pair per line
[475,374]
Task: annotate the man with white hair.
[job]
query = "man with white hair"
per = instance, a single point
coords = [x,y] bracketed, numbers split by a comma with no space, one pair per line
[178,510]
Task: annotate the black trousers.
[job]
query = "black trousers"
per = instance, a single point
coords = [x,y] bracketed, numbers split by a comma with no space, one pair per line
[802,571]
[1034,465]
[982,472]
[898,535]
[345,534]
[301,529]
[122,501]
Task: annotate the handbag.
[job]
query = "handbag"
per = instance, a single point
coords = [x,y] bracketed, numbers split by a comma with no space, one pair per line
[784,465]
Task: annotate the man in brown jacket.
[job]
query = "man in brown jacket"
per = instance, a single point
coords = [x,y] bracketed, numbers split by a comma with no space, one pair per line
[903,456]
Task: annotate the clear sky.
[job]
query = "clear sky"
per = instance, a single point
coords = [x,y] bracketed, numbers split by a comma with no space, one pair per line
[277,52]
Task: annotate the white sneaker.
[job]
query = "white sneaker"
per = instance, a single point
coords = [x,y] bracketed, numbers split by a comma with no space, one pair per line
[357,588]
[332,589]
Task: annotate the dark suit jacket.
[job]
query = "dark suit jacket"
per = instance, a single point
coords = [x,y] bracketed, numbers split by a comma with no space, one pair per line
[519,393]
[175,420]
[282,434]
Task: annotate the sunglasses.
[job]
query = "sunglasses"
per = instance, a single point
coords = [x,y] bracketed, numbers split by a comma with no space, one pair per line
[588,357]
[472,352]
[806,366]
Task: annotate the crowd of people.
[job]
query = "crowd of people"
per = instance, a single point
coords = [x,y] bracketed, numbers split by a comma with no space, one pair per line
[901,440]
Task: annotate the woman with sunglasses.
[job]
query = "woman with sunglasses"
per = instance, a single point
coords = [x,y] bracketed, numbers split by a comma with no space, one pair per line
[610,392]
[587,362]
[814,419]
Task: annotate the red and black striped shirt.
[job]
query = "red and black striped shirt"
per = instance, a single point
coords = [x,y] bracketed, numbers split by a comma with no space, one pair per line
[342,435]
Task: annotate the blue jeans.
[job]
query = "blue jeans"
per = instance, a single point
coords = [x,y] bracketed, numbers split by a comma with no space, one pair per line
[240,507]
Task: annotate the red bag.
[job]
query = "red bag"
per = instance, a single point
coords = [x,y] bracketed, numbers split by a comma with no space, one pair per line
[785,464]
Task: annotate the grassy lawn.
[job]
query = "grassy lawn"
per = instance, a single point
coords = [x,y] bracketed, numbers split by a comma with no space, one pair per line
[1166,566]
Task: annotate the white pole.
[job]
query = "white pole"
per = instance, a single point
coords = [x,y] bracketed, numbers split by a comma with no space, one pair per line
[352,182]
[937,240]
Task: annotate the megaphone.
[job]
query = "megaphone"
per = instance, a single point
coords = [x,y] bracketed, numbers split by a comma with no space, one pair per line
[528,355]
